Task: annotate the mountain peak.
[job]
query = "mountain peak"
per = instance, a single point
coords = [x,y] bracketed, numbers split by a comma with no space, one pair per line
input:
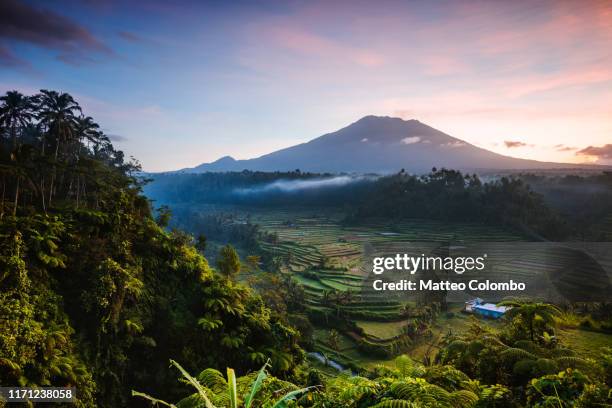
[225,159]
[382,119]
[379,144]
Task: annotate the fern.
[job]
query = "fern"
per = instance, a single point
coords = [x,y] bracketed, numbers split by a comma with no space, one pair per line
[562,352]
[463,398]
[457,346]
[212,379]
[571,362]
[397,404]
[514,354]
[420,390]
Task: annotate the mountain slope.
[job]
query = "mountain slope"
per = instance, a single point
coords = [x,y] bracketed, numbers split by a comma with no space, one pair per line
[379,145]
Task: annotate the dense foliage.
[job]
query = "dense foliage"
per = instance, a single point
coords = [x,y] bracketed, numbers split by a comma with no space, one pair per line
[452,196]
[585,201]
[404,384]
[96,293]
[446,195]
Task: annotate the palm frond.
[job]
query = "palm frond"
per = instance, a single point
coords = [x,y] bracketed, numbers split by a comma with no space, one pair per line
[256,385]
[282,403]
[195,383]
[232,388]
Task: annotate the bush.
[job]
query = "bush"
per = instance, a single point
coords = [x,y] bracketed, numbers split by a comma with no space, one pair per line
[587,323]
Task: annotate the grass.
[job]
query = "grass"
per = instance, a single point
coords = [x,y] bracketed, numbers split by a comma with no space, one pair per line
[344,342]
[381,330]
[585,342]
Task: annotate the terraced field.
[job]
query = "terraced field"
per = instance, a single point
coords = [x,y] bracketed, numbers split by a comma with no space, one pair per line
[329,260]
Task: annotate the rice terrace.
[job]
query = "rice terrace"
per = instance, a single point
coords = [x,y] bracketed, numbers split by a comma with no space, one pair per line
[355,326]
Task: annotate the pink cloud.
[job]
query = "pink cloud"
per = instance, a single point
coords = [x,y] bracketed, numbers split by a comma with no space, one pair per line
[598,153]
[311,44]
[541,83]
[514,143]
[440,64]
[563,148]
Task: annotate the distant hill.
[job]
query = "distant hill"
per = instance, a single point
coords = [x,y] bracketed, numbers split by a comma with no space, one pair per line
[376,144]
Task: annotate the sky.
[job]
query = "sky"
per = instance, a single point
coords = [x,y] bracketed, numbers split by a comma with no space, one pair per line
[179,83]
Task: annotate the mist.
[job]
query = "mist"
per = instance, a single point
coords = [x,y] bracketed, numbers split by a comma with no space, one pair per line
[292,186]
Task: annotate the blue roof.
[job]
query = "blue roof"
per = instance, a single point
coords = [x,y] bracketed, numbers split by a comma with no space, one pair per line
[492,308]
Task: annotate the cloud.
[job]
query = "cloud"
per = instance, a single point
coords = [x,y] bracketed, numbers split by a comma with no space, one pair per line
[564,148]
[9,59]
[454,144]
[514,143]
[365,139]
[566,79]
[411,140]
[44,28]
[312,45]
[441,65]
[131,37]
[600,153]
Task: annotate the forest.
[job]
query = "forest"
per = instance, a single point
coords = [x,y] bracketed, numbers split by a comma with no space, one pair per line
[567,207]
[100,290]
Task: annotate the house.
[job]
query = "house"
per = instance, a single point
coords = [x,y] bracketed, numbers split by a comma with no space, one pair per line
[477,306]
[469,305]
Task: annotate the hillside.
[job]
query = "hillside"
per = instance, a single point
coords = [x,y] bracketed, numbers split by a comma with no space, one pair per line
[376,144]
[95,292]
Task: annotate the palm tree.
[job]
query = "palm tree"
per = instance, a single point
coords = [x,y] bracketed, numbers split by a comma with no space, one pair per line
[530,311]
[86,130]
[58,114]
[16,111]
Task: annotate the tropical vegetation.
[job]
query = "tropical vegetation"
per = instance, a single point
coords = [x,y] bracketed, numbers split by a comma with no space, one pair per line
[99,289]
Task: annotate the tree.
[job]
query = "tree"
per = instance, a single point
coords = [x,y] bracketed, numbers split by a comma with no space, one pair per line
[228,261]
[253,262]
[86,130]
[93,295]
[164,214]
[333,339]
[201,243]
[530,312]
[15,112]
[58,114]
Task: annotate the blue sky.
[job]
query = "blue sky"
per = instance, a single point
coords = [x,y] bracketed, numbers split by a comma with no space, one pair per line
[180,83]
